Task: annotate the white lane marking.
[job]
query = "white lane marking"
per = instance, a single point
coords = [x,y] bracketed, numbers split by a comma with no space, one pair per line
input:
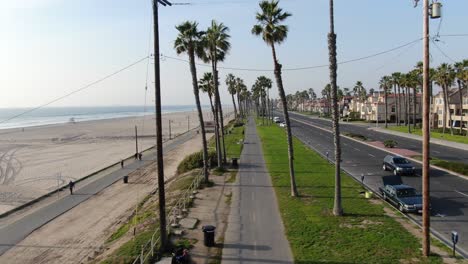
[414,146]
[372,155]
[464,194]
[357,149]
[435,151]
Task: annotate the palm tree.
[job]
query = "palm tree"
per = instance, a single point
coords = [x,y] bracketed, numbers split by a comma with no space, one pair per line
[337,208]
[240,86]
[207,86]
[273,32]
[189,41]
[231,84]
[445,76]
[414,83]
[385,85]
[217,45]
[265,84]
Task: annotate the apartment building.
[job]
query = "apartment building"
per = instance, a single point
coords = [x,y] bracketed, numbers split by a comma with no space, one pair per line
[459,114]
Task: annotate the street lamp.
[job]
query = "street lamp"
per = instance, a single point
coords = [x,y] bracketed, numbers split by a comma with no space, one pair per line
[434,11]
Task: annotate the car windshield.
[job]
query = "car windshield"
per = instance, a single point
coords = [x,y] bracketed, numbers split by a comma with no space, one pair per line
[400,161]
[406,192]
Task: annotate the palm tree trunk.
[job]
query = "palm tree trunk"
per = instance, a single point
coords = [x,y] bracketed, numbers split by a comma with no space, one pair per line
[337,207]
[461,106]
[239,104]
[282,95]
[444,119]
[399,105]
[235,108]
[217,126]
[414,108]
[220,110]
[386,106]
[196,92]
[396,103]
[407,107]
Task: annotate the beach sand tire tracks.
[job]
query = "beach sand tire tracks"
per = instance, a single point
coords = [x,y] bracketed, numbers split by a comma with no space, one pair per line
[10,166]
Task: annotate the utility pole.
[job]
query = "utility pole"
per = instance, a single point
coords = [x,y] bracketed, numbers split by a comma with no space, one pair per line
[433,11]
[159,145]
[426,133]
[170,132]
[136,139]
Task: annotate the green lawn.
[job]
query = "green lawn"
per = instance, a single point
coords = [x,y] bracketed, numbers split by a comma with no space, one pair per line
[438,135]
[458,167]
[363,235]
[232,140]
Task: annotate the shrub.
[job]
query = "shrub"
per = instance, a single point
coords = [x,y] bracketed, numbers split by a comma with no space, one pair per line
[390,143]
[195,161]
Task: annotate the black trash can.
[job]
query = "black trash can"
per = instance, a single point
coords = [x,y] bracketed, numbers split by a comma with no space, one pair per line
[125,179]
[234,162]
[209,235]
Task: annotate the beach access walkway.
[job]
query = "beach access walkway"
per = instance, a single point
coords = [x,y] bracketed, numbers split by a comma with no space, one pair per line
[13,233]
[255,232]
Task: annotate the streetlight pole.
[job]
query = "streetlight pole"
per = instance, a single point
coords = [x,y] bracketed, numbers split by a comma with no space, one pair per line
[159,145]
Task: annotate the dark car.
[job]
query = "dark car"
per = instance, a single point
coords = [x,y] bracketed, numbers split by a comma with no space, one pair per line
[398,165]
[404,197]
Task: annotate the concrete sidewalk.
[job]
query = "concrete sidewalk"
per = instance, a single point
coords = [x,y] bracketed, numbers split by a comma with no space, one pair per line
[14,232]
[255,232]
[417,137]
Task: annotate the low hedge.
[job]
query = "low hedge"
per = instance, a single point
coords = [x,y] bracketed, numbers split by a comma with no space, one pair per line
[195,161]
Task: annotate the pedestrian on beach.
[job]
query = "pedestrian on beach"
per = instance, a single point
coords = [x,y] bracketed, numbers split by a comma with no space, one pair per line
[136,155]
[71,185]
[121,163]
[140,155]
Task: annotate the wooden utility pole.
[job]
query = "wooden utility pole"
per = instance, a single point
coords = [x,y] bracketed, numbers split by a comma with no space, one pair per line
[426,133]
[136,139]
[159,145]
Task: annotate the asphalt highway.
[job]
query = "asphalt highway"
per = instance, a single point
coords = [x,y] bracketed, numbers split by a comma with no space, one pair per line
[438,151]
[449,193]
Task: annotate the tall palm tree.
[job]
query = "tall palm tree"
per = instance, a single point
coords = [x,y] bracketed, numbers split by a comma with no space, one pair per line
[217,46]
[189,41]
[207,86]
[240,86]
[445,76]
[271,30]
[231,84]
[385,85]
[266,84]
[396,79]
[337,207]
[413,83]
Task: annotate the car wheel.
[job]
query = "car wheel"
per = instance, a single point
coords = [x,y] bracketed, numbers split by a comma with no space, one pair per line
[401,208]
[384,167]
[395,172]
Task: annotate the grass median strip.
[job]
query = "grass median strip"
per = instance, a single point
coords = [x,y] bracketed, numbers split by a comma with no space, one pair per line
[457,167]
[363,235]
[434,134]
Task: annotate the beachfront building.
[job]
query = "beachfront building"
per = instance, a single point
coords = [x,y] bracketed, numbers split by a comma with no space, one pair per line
[457,112]
[373,108]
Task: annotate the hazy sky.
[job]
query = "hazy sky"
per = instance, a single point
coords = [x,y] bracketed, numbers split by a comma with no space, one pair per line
[49,48]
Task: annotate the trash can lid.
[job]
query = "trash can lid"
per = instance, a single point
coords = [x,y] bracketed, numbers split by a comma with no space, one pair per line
[208,228]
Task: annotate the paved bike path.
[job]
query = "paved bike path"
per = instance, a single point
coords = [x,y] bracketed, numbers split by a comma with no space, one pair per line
[13,233]
[255,232]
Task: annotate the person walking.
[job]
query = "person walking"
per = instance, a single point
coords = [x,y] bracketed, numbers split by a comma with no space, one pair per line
[121,163]
[71,185]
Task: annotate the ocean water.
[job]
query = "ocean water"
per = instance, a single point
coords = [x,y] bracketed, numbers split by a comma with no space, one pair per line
[14,117]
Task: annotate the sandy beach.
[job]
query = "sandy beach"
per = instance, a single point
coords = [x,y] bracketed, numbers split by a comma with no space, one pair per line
[37,160]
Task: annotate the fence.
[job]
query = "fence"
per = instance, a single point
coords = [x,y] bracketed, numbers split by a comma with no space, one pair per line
[150,251]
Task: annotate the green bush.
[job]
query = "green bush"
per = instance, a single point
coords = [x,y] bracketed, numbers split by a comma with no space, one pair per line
[390,143]
[195,161]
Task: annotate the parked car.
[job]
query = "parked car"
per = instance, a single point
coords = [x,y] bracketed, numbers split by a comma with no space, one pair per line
[282,124]
[276,119]
[398,165]
[404,197]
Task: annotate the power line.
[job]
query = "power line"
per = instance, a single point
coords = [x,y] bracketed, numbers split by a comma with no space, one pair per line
[441,51]
[302,68]
[76,91]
